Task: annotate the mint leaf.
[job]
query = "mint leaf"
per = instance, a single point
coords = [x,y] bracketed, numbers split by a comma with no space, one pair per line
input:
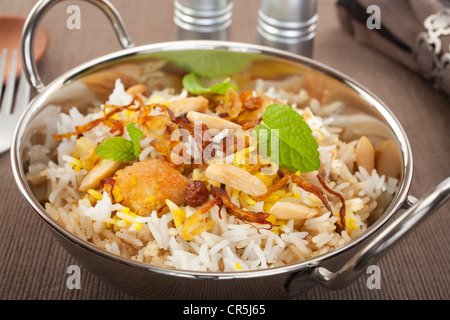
[285,138]
[116,148]
[135,136]
[222,87]
[192,84]
[121,149]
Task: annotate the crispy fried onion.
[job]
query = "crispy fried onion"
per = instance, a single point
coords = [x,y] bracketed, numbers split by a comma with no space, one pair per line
[196,224]
[244,215]
[309,187]
[162,125]
[250,101]
[117,126]
[150,121]
[341,225]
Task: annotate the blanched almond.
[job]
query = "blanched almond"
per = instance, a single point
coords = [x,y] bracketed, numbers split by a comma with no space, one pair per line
[139,88]
[388,159]
[102,170]
[184,105]
[211,122]
[292,211]
[365,154]
[236,177]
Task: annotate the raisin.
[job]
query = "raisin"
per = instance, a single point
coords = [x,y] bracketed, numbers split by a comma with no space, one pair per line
[196,193]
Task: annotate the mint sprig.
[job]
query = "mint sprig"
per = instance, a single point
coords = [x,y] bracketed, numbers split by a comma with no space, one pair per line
[285,138]
[121,149]
[192,84]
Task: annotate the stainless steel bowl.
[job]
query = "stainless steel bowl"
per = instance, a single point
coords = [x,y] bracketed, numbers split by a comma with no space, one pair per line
[335,269]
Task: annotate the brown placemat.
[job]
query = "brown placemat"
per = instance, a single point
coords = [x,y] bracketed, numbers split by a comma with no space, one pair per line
[34,266]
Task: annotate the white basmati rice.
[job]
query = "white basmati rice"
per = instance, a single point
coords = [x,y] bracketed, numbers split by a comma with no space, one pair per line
[231,245]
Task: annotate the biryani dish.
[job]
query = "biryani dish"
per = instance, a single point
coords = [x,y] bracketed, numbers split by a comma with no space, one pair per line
[210,178]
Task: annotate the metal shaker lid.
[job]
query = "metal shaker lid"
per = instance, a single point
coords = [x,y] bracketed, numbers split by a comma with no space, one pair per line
[204,7]
[289,13]
[202,19]
[288,24]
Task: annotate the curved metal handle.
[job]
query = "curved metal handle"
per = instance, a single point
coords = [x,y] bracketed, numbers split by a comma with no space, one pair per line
[33,20]
[377,246]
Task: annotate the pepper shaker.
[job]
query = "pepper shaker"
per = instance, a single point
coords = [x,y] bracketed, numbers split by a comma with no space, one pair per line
[288,25]
[202,19]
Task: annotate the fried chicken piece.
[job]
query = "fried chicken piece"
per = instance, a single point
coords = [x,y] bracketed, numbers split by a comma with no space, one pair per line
[146,185]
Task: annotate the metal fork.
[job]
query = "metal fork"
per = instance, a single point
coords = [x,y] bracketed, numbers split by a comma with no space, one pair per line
[14,101]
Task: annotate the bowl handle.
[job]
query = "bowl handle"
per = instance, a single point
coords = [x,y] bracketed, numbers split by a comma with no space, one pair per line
[375,248]
[34,18]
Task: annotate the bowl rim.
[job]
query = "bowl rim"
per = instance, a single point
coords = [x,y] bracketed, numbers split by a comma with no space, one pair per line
[37,104]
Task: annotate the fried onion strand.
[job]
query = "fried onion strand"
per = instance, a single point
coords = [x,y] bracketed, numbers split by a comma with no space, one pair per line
[339,226]
[244,215]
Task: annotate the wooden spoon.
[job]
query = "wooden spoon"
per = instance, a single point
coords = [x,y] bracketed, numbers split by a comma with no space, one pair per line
[10,38]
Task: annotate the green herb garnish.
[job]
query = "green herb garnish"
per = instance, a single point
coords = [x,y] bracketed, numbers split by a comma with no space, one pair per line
[285,138]
[121,149]
[192,84]
[209,63]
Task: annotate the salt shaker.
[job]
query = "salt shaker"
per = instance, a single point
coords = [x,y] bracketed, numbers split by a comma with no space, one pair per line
[288,25]
[202,19]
